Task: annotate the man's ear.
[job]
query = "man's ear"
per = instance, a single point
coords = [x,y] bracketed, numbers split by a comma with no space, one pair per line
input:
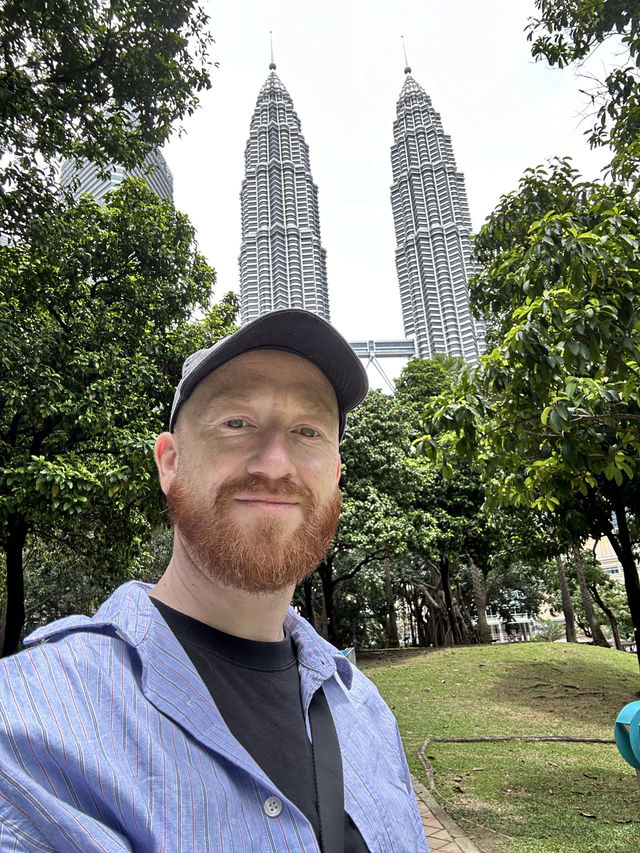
[166,456]
[339,469]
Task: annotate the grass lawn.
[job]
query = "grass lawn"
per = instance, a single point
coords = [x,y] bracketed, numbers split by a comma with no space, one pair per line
[518,796]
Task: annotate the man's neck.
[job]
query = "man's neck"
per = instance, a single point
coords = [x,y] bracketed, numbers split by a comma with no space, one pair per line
[234,611]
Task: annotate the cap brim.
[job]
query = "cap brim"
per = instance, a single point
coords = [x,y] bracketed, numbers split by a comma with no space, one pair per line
[291,330]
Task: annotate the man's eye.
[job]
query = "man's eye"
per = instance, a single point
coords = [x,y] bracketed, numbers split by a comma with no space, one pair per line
[308,432]
[235,423]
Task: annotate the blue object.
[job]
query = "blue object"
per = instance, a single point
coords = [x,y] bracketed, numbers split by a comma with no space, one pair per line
[350,654]
[627,734]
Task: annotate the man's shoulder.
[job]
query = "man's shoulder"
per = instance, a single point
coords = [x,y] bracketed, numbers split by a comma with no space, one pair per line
[77,644]
[125,613]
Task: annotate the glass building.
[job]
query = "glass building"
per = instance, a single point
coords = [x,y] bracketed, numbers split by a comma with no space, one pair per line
[282,261]
[86,179]
[433,229]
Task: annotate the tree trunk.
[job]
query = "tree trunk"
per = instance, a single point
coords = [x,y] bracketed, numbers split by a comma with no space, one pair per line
[412,605]
[465,623]
[14,620]
[325,570]
[621,544]
[406,617]
[480,601]
[433,633]
[391,621]
[454,630]
[599,638]
[609,614]
[307,587]
[3,620]
[567,604]
[443,630]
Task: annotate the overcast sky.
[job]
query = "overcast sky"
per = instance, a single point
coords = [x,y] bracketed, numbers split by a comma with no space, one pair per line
[342,63]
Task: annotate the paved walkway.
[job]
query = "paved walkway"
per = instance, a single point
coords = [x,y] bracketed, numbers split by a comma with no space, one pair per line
[443,835]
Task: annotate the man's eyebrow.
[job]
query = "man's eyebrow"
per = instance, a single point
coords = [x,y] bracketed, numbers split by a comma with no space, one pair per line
[232,396]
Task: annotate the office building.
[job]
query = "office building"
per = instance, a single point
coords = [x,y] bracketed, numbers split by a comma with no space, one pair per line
[87,180]
[433,229]
[282,261]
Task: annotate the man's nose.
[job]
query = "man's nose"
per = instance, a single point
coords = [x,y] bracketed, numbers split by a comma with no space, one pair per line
[271,456]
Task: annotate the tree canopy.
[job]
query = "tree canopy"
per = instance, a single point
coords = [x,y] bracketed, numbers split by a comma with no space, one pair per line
[553,412]
[417,556]
[95,302]
[570,31]
[93,80]
[94,318]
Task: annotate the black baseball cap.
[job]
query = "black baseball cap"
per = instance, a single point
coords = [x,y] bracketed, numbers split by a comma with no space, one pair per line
[291,330]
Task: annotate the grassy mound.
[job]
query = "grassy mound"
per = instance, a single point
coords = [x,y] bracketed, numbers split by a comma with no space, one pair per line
[520,796]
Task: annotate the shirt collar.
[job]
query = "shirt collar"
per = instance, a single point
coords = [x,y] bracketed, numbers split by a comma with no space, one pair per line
[316,653]
[129,613]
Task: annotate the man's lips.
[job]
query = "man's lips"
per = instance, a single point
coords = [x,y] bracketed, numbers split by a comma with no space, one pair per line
[273,501]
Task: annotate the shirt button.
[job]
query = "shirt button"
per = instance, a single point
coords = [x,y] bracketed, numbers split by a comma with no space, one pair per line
[272,806]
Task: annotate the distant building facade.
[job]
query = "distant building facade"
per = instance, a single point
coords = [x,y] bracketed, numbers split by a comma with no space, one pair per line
[282,261]
[433,229]
[88,181]
[607,557]
[520,627]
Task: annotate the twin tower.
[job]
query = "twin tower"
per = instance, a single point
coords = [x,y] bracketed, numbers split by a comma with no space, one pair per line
[282,261]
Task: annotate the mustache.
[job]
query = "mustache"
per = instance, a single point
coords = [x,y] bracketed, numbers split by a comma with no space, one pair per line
[260,485]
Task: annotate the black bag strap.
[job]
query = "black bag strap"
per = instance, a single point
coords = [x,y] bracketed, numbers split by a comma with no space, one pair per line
[327,768]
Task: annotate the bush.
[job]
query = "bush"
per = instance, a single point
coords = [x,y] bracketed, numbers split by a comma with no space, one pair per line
[549,631]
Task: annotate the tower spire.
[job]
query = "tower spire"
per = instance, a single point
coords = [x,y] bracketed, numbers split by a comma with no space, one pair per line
[272,65]
[407,67]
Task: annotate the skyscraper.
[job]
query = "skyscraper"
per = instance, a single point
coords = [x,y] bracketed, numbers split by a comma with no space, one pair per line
[89,181]
[282,262]
[433,228]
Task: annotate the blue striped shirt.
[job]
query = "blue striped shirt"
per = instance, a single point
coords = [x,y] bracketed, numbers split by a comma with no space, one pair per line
[109,741]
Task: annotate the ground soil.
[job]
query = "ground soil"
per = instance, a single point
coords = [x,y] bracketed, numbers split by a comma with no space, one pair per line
[371,658]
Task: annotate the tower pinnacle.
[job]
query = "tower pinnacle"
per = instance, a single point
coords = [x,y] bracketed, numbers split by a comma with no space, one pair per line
[407,67]
[272,65]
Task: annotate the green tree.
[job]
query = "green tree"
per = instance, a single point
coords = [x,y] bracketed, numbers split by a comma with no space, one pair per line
[420,380]
[377,519]
[473,550]
[569,32]
[409,533]
[93,80]
[606,594]
[549,631]
[610,597]
[553,412]
[377,522]
[93,303]
[453,506]
[94,307]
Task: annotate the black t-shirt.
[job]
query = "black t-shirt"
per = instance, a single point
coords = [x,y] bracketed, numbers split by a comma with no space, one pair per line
[256,688]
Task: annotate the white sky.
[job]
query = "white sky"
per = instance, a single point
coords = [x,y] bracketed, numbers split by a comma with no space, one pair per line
[342,63]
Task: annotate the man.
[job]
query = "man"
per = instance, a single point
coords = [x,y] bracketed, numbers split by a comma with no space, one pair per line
[204,714]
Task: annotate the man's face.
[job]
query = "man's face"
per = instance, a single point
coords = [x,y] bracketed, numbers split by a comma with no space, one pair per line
[254,495]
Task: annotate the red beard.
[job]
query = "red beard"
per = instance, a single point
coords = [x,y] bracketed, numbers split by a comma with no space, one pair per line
[261,560]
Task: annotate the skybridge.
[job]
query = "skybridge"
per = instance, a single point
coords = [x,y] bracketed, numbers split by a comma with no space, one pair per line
[374,350]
